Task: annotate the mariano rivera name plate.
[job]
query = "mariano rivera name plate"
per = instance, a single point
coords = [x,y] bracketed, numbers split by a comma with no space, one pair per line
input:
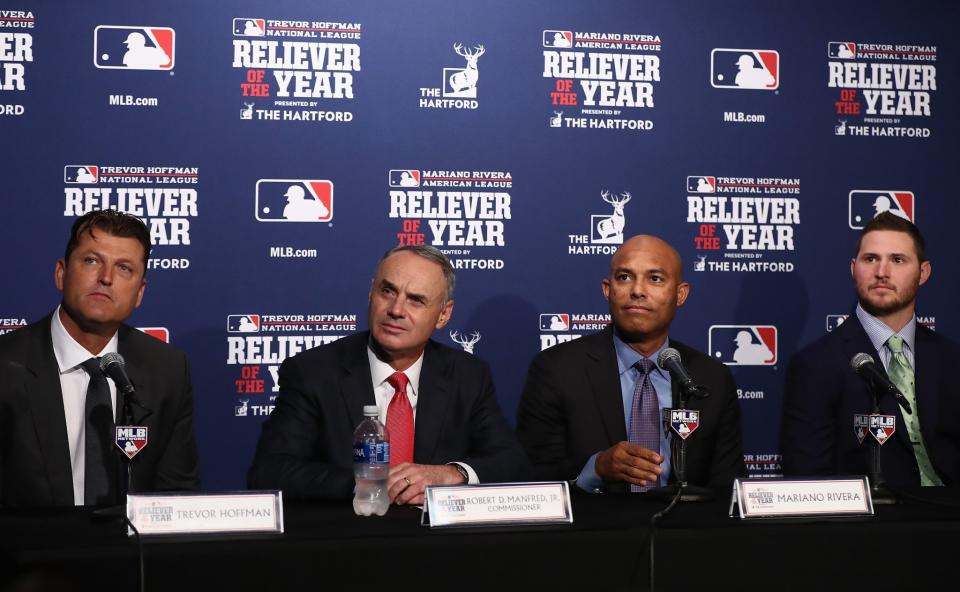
[796,498]
[497,504]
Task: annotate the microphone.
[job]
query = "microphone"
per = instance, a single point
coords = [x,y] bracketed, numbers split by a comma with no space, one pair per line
[669,358]
[864,365]
[112,365]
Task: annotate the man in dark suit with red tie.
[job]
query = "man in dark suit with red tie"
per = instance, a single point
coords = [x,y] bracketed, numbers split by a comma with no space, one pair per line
[438,403]
[823,392]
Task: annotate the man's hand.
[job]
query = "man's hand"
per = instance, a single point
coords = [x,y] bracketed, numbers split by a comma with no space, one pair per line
[406,482]
[628,462]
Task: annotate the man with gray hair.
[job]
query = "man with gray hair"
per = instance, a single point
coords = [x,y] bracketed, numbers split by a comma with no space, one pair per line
[438,403]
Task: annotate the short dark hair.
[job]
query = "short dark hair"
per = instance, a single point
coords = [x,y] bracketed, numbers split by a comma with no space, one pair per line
[890,221]
[112,222]
[431,253]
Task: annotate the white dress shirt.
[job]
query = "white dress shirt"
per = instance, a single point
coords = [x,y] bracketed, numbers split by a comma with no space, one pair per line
[383,391]
[73,386]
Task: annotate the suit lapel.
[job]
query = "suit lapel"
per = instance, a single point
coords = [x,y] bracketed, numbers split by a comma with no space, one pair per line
[146,397]
[46,403]
[604,377]
[433,400]
[356,385]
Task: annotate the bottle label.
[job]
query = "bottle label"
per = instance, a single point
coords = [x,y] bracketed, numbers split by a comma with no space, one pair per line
[371,453]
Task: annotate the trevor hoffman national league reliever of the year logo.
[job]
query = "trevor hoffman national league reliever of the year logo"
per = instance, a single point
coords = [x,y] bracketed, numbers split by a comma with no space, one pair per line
[164,197]
[560,327]
[296,70]
[600,80]
[606,230]
[258,343]
[459,89]
[747,222]
[884,89]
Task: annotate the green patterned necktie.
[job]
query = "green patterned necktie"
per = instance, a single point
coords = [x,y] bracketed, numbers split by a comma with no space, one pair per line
[902,375]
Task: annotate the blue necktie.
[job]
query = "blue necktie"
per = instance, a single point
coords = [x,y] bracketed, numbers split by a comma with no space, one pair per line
[645,415]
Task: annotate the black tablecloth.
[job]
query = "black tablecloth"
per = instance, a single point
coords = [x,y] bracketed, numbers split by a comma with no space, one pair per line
[326,547]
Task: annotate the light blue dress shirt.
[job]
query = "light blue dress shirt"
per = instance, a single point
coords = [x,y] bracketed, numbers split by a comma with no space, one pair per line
[588,480]
[879,333]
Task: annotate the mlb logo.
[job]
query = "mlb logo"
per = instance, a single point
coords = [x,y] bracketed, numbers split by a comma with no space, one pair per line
[842,50]
[882,427]
[161,333]
[249,27]
[861,426]
[684,422]
[555,322]
[834,321]
[745,68]
[744,345]
[249,323]
[131,439]
[865,204]
[294,200]
[558,39]
[404,178]
[701,184]
[134,48]
[83,174]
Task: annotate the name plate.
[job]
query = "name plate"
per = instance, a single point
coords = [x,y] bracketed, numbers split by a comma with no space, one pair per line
[497,504]
[241,512]
[793,498]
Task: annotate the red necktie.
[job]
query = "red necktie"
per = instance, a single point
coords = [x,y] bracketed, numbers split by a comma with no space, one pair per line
[400,421]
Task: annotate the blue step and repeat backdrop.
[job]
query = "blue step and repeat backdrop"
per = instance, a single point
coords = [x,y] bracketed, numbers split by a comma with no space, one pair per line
[277,149]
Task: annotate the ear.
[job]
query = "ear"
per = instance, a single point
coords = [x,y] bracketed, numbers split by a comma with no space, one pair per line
[683,291]
[925,271]
[58,272]
[445,313]
[143,286]
[605,286]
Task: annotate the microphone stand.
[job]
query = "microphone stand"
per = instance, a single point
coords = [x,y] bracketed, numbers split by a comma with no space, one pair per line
[878,485]
[124,469]
[678,448]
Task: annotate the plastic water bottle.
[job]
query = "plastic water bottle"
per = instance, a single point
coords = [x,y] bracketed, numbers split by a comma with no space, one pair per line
[371,464]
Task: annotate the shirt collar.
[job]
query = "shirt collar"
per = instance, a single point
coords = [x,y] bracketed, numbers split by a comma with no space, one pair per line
[380,371]
[68,352]
[627,356]
[879,332]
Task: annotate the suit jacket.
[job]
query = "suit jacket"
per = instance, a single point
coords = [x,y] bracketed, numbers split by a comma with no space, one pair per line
[34,454]
[823,393]
[306,447]
[572,408]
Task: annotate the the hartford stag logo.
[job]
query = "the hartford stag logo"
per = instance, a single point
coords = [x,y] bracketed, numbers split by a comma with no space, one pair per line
[467,342]
[865,204]
[459,90]
[744,345]
[134,47]
[745,68]
[605,229]
[882,89]
[294,200]
[84,174]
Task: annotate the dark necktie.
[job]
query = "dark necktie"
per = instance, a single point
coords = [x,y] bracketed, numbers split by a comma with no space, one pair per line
[400,421]
[645,415]
[100,469]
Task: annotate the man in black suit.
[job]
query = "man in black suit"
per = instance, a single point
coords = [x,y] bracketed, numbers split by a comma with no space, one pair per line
[590,409]
[57,410]
[438,403]
[823,393]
